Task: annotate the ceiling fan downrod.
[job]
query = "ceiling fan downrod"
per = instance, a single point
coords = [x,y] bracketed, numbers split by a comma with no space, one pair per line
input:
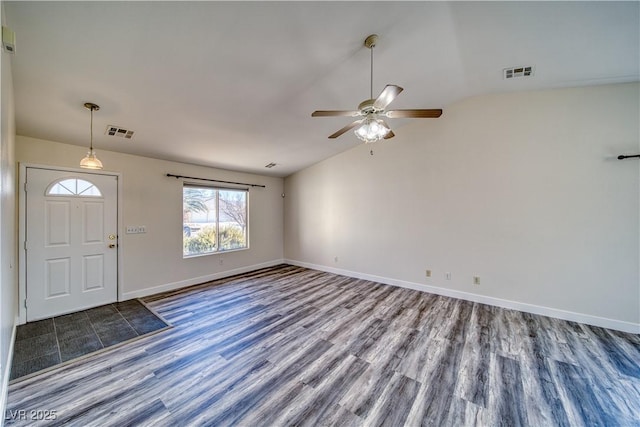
[370,43]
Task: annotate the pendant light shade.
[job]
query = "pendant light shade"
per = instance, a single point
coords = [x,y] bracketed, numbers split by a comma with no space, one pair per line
[91,161]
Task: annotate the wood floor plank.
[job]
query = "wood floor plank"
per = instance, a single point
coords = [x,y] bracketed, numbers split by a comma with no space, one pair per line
[473,380]
[393,405]
[286,346]
[509,395]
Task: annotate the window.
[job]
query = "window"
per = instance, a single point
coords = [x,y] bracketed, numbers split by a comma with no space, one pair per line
[73,187]
[213,220]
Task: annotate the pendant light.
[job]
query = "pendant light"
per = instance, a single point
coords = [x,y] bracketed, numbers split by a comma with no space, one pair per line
[91,161]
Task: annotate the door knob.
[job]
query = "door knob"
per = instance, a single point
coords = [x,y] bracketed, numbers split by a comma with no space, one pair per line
[112,245]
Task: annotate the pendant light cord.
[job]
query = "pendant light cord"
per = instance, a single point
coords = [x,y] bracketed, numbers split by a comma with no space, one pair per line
[91,161]
[91,132]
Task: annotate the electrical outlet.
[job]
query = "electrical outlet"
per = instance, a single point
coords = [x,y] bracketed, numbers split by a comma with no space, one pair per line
[428,273]
[447,275]
[476,280]
[335,259]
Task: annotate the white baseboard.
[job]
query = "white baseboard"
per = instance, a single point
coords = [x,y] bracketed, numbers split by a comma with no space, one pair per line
[619,325]
[197,280]
[6,373]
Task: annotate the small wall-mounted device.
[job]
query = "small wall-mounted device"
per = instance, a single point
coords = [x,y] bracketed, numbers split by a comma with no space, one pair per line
[8,40]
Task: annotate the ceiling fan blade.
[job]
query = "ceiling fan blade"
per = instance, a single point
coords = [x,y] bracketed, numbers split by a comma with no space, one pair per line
[387,95]
[414,114]
[335,113]
[345,129]
[389,134]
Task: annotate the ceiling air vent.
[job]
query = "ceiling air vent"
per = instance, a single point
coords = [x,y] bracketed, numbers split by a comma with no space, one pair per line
[119,132]
[270,165]
[512,73]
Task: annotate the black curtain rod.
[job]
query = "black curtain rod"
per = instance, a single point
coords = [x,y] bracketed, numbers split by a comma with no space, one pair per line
[216,180]
[622,157]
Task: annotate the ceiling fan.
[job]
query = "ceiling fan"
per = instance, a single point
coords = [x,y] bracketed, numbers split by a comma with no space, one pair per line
[372,126]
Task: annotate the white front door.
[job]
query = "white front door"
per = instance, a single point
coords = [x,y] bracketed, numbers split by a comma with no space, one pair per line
[71,241]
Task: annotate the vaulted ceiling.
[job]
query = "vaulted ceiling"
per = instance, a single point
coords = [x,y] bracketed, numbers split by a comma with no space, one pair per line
[233,84]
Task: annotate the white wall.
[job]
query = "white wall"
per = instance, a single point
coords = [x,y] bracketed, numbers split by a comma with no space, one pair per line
[521,189]
[8,256]
[153,262]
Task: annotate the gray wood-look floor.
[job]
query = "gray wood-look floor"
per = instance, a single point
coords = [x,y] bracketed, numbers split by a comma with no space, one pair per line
[291,346]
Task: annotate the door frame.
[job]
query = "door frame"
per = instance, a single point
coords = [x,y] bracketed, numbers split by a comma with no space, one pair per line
[22,229]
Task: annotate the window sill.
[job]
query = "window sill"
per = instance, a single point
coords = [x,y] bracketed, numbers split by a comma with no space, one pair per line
[215,253]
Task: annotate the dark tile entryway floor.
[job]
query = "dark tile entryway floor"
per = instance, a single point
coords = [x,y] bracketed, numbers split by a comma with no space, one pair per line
[46,343]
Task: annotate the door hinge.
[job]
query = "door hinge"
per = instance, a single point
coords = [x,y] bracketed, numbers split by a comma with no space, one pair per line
[25,303]
[25,187]
[25,245]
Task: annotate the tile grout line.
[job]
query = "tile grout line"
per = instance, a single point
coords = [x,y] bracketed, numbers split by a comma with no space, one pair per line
[55,334]
[95,332]
[127,320]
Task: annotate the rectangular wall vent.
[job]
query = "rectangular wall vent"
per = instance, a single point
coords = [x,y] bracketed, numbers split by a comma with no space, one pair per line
[511,73]
[270,165]
[118,131]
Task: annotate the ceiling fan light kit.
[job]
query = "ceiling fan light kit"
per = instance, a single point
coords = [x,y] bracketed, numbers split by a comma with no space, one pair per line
[372,127]
[91,161]
[372,130]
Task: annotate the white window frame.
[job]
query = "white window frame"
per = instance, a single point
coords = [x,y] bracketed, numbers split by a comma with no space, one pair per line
[217,189]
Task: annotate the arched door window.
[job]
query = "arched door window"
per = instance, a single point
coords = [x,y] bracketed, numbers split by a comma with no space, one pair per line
[73,187]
